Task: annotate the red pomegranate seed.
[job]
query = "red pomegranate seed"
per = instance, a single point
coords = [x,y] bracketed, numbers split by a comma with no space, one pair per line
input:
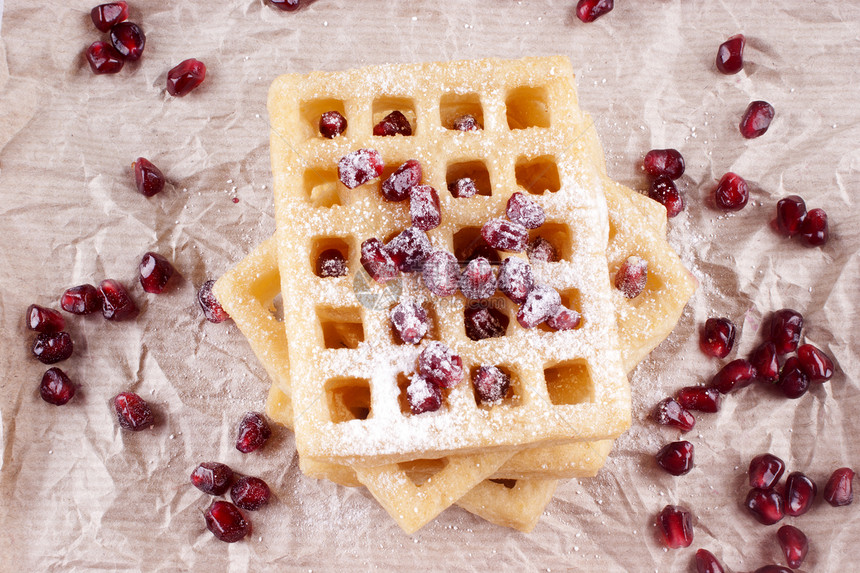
[377,261]
[516,279]
[226,521]
[766,505]
[541,303]
[505,235]
[813,230]
[735,375]
[330,263]
[732,192]
[423,395]
[132,411]
[52,348]
[591,10]
[676,457]
[83,299]
[212,309]
[410,321]
[765,361]
[564,319]
[482,249]
[665,162]
[250,493]
[395,123]
[773,569]
[117,303]
[440,366]
[155,272]
[794,544]
[792,381]
[838,490]
[670,413]
[332,124]
[675,525]
[424,207]
[707,563]
[664,191]
[106,15]
[56,388]
[466,122]
[482,322]
[148,178]
[699,398]
[765,471]
[491,384]
[400,183]
[478,281]
[185,77]
[45,320]
[800,492]
[730,55]
[785,327]
[542,250]
[286,5]
[815,364]
[790,214]
[632,277]
[103,58]
[212,477]
[718,337]
[359,167]
[253,432]
[409,249]
[756,119]
[463,188]
[128,39]
[525,211]
[441,273]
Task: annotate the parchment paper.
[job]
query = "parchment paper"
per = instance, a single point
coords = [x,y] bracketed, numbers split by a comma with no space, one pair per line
[79,494]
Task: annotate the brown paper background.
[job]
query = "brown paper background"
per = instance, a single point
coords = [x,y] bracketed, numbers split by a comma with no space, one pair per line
[77,494]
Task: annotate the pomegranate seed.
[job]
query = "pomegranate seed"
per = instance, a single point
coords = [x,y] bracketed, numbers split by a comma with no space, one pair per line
[670,413]
[83,299]
[56,387]
[632,277]
[185,77]
[410,321]
[332,124]
[699,398]
[707,563]
[466,122]
[516,279]
[542,250]
[838,490]
[330,263]
[666,162]
[732,192]
[286,5]
[359,167]
[718,337]
[790,214]
[815,364]
[794,544]
[478,281]
[756,119]
[735,375]
[564,319]
[675,524]
[491,384]
[792,381]
[106,15]
[440,366]
[676,457]
[813,230]
[212,477]
[767,506]
[441,273]
[155,271]
[128,39]
[250,493]
[525,211]
[541,303]
[730,55]
[103,58]
[765,361]
[212,309]
[800,492]
[765,471]
[785,327]
[505,235]
[132,411]
[117,304]
[773,569]
[148,178]
[591,10]
[52,348]
[395,123]
[409,249]
[253,432]
[45,320]
[463,188]
[400,183]
[664,191]
[482,322]
[424,396]
[377,261]
[482,249]
[424,207]
[226,521]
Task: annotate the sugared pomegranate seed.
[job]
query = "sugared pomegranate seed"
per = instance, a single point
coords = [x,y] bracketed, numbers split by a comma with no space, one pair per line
[591,10]
[718,337]
[815,364]
[128,39]
[482,322]
[148,178]
[675,525]
[730,55]
[765,361]
[670,413]
[773,569]
[792,380]
[440,365]
[491,384]
[250,493]
[564,319]
[226,521]
[116,302]
[478,281]
[212,309]
[410,321]
[395,123]
[56,388]
[212,477]
[542,250]
[664,191]
[400,183]
[359,167]
[185,77]
[332,124]
[132,411]
[735,375]
[839,491]
[424,207]
[253,432]
[410,249]
[732,192]
[632,276]
[767,506]
[505,235]
[441,273]
[52,348]
[463,188]
[516,279]
[765,471]
[480,248]
[83,299]
[330,263]
[676,457]
[665,162]
[286,5]
[106,15]
[800,492]
[103,58]
[45,320]
[790,214]
[785,327]
[794,545]
[707,563]
[155,271]
[541,303]
[424,396]
[377,261]
[466,122]
[813,230]
[756,119]
[525,211]
[699,398]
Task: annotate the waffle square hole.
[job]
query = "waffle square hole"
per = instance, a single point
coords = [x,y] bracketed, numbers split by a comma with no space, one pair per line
[385,105]
[432,330]
[320,245]
[454,106]
[312,110]
[403,381]
[513,396]
[475,170]
[558,235]
[538,175]
[528,107]
[348,399]
[569,383]
[321,187]
[571,299]
[340,327]
[469,244]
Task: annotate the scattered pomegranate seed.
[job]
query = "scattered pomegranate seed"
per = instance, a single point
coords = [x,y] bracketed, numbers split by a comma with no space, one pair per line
[395,123]
[813,230]
[212,477]
[773,569]
[790,214]
[212,309]
[409,249]
[463,188]
[424,207]
[785,327]
[664,191]
[330,263]
[332,124]
[800,492]
[400,183]
[730,55]
[794,544]
[664,162]
[128,39]
[767,506]
[410,321]
[226,521]
[718,337]
[732,192]
[542,250]
[765,361]
[250,493]
[707,563]
[792,381]
[491,384]
[117,303]
[676,457]
[424,396]
[185,77]
[103,58]
[440,365]
[541,303]
[482,322]
[148,177]
[286,5]
[377,261]
[52,348]
[699,398]
[45,320]
[482,249]
[675,524]
[132,411]
[838,490]
[478,281]
[735,375]
[632,277]
[525,211]
[564,319]
[670,413]
[253,432]
[106,15]
[756,119]
[516,279]
[815,364]
[155,272]
[466,122]
[441,273]
[591,10]
[56,388]
[82,299]
[505,235]
[765,471]
[359,167]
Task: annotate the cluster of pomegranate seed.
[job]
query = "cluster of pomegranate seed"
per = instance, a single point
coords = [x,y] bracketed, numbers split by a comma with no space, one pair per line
[395,123]
[224,519]
[665,166]
[591,10]
[127,40]
[438,368]
[792,219]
